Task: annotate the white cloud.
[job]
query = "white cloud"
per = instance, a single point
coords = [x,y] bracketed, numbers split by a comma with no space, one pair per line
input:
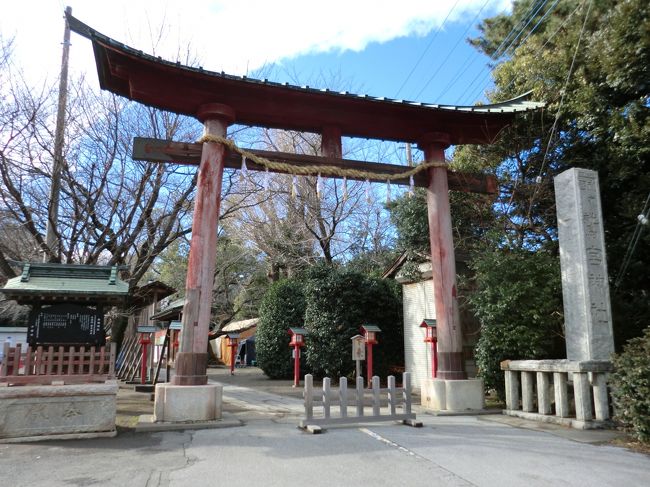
[229,35]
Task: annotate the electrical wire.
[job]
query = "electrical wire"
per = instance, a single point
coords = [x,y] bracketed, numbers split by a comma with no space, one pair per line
[552,36]
[469,26]
[564,89]
[426,49]
[634,240]
[509,48]
[502,47]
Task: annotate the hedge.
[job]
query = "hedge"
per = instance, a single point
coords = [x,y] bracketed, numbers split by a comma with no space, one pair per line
[282,307]
[631,386]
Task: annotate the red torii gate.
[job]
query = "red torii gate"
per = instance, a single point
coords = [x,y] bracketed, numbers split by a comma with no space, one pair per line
[218,100]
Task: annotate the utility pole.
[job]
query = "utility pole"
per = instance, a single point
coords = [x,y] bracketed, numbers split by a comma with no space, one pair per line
[409,157]
[53,251]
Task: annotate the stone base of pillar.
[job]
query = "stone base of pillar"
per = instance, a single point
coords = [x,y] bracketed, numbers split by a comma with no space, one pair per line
[453,395]
[190,369]
[174,403]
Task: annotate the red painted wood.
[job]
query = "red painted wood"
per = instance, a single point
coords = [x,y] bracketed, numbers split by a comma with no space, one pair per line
[16,364]
[44,366]
[50,360]
[200,271]
[161,151]
[59,363]
[183,90]
[296,365]
[331,142]
[443,262]
[91,366]
[369,363]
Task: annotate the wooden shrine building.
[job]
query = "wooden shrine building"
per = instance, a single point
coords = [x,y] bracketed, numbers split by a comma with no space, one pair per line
[220,100]
[68,301]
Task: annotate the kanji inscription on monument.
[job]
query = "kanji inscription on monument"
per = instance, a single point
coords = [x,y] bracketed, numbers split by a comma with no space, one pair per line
[585,288]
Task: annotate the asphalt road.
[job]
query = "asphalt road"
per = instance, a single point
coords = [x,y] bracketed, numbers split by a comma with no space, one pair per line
[269,450]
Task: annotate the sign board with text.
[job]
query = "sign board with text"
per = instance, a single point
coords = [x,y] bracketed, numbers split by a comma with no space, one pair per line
[66,324]
[358,348]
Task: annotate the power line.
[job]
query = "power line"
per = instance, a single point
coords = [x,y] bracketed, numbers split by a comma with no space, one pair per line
[502,47]
[469,26]
[642,220]
[564,89]
[559,110]
[510,47]
[426,49]
[551,37]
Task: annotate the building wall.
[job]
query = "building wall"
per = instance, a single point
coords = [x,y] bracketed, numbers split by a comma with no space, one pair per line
[222,343]
[418,304]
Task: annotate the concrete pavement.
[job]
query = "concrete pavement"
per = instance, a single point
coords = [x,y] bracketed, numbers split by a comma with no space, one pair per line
[269,450]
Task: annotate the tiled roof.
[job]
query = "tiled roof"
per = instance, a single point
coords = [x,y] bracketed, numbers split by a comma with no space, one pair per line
[66,281]
[185,89]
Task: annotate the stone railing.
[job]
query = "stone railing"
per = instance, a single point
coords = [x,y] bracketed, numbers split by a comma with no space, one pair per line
[558,391]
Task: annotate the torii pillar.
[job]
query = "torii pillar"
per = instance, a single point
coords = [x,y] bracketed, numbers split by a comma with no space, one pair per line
[189,397]
[450,391]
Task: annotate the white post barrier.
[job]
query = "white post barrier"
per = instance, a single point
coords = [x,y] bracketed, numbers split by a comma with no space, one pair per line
[394,398]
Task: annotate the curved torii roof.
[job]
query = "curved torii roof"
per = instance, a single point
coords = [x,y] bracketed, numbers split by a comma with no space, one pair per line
[183,89]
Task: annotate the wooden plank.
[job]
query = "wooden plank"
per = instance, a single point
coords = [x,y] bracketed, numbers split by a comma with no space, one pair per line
[156,150]
[38,361]
[82,361]
[163,353]
[102,359]
[5,359]
[91,365]
[70,361]
[49,379]
[125,354]
[50,360]
[28,362]
[16,364]
[59,362]
[111,360]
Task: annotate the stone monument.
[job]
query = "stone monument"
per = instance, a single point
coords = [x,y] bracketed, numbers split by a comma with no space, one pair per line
[585,287]
[587,319]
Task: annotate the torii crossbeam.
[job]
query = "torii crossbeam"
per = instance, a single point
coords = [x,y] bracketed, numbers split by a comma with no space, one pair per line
[219,100]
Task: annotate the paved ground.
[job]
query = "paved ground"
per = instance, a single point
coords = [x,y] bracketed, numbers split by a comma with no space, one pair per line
[269,450]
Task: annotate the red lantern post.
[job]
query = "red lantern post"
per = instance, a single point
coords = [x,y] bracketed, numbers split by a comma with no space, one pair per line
[432,338]
[297,342]
[233,341]
[145,340]
[370,334]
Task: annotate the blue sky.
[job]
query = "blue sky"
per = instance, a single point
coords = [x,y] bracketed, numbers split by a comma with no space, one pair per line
[383,69]
[360,46]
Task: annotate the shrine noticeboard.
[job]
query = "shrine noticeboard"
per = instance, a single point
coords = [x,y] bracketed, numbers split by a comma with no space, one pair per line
[66,324]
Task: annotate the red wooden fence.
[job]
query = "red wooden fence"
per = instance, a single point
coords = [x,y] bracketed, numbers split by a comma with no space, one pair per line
[60,365]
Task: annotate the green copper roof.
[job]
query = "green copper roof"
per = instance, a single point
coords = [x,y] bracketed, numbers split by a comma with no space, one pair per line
[66,282]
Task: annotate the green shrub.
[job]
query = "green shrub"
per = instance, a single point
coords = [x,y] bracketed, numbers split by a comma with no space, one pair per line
[282,307]
[338,303]
[518,300]
[631,386]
